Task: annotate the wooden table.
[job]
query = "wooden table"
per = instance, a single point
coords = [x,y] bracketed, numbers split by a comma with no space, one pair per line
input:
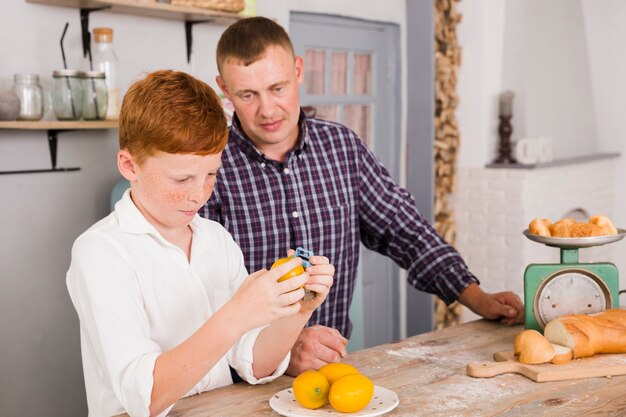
[428,374]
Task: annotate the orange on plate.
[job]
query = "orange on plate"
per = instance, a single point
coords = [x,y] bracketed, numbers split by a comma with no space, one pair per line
[311,389]
[334,371]
[293,273]
[351,393]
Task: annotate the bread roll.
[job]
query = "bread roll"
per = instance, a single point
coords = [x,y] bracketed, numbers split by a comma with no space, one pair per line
[533,348]
[562,227]
[581,229]
[587,335]
[605,225]
[540,226]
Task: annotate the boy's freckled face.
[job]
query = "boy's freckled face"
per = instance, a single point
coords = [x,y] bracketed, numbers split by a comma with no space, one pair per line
[170,188]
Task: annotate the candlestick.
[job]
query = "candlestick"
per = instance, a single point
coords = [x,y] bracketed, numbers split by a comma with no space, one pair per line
[506,103]
[504,151]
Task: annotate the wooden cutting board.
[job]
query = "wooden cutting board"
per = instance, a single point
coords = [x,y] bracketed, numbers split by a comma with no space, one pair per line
[601,365]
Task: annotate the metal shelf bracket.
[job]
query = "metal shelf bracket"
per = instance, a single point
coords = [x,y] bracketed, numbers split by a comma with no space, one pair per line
[84,25]
[52,147]
[189,35]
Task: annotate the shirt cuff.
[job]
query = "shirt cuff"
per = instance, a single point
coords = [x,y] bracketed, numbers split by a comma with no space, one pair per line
[243,356]
[137,384]
[453,282]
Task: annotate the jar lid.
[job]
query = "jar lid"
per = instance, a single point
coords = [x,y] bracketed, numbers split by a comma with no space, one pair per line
[93,74]
[103,34]
[66,73]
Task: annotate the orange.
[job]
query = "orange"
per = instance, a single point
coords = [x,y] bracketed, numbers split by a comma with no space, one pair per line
[351,393]
[293,273]
[311,389]
[334,371]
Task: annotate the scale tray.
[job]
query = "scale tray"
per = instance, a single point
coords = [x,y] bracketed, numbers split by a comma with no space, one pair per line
[575,242]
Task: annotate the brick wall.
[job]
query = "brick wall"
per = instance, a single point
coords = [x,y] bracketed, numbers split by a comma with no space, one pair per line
[492,207]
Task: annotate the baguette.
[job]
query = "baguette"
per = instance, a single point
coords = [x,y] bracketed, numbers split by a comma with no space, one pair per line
[563,354]
[587,335]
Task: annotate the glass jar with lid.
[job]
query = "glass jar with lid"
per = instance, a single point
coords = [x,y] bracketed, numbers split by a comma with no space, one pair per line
[67,94]
[105,59]
[95,95]
[31,96]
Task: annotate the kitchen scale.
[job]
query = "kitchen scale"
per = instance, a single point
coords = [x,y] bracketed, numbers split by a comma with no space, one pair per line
[569,287]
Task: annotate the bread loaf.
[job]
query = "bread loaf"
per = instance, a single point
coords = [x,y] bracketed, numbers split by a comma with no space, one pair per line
[562,356]
[587,335]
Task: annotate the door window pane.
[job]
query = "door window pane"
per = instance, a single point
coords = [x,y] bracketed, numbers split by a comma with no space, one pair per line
[340,73]
[328,112]
[357,118]
[363,74]
[314,71]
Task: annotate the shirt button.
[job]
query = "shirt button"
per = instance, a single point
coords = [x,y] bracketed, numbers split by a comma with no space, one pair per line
[286,170]
[262,164]
[295,214]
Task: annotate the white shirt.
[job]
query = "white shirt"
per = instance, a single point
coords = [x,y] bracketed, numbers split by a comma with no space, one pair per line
[137,295]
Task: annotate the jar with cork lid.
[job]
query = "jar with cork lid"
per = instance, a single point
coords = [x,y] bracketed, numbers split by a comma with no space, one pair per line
[105,60]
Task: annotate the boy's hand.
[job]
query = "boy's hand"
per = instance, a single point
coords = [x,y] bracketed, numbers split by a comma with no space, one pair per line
[320,280]
[261,299]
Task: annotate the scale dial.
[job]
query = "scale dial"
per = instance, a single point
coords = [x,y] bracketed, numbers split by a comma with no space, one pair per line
[571,291]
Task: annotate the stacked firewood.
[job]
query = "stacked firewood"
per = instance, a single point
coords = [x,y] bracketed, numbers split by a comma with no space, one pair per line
[447,62]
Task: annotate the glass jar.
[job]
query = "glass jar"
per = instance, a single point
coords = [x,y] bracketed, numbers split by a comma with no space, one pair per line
[105,60]
[31,96]
[67,94]
[94,95]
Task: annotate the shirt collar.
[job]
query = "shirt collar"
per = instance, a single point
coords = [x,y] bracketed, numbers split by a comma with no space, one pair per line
[132,221]
[240,139]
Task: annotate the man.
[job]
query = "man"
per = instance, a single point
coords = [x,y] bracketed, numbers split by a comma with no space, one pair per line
[288,180]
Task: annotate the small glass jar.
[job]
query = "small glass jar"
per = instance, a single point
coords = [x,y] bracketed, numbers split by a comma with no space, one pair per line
[95,95]
[31,96]
[67,94]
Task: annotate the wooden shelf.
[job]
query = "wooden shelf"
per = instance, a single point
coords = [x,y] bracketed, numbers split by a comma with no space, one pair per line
[53,128]
[59,125]
[150,8]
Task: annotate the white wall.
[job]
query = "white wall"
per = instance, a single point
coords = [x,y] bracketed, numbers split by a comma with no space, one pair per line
[606,41]
[564,61]
[42,214]
[538,50]
[480,35]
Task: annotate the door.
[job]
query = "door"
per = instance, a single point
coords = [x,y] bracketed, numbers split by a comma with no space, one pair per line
[351,76]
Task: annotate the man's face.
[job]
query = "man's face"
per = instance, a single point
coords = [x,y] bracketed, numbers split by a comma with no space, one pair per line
[169,189]
[265,97]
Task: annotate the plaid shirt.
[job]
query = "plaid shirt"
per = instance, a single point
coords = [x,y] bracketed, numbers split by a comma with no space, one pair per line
[330,194]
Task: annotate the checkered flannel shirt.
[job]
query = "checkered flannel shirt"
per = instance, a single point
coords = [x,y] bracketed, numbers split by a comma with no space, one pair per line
[328,195]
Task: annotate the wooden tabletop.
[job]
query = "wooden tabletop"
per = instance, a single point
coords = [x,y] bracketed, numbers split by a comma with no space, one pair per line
[428,373]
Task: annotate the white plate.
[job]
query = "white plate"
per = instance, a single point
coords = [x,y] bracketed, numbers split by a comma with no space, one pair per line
[284,403]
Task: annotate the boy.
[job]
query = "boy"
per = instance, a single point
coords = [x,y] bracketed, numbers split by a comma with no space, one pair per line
[164,303]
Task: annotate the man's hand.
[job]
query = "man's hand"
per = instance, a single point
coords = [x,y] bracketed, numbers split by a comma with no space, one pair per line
[505,306]
[316,346]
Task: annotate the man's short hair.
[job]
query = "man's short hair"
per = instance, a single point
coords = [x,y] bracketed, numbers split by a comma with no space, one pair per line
[246,41]
[172,112]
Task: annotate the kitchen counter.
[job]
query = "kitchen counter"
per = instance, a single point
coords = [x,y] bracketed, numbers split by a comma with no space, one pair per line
[428,373]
